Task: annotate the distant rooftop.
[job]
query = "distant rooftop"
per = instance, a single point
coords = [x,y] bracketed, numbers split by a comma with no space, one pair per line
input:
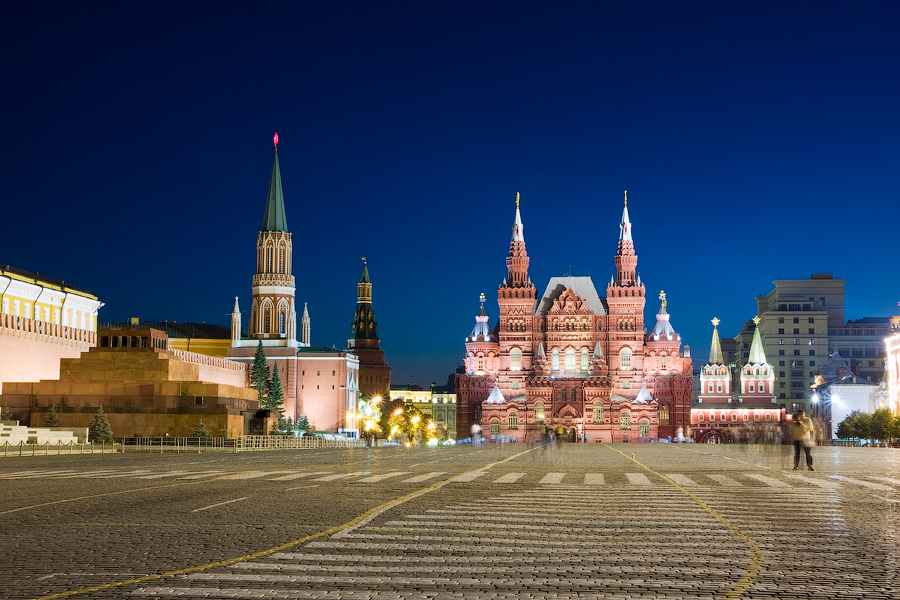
[37,278]
[180,330]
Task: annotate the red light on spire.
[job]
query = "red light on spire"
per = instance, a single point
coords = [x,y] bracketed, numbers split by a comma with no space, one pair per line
[276,139]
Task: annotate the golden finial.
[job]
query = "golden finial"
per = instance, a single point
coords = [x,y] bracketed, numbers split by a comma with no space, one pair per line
[716,321]
[517,200]
[626,198]
[482,299]
[662,296]
[756,320]
[364,259]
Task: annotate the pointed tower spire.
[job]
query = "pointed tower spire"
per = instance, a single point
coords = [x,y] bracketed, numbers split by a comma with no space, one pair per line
[236,321]
[715,349]
[518,230]
[364,326]
[757,355]
[304,326]
[274,219]
[517,261]
[626,259]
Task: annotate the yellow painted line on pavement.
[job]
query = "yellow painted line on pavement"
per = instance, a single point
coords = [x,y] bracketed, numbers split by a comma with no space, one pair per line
[353,523]
[756,553]
[104,494]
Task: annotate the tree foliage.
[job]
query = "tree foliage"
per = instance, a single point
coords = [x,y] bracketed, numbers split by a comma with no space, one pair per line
[51,419]
[201,431]
[303,424]
[259,373]
[880,425]
[274,399]
[100,431]
[5,414]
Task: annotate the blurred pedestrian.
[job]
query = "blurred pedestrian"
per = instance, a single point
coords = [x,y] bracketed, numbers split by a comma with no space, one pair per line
[476,434]
[803,436]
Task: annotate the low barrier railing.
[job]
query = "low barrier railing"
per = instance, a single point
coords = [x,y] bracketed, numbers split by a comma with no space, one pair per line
[48,449]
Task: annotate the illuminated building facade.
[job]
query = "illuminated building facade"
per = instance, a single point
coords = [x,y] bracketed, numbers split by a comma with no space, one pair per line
[320,383]
[749,414]
[802,324]
[42,321]
[570,360]
[892,371]
[437,404]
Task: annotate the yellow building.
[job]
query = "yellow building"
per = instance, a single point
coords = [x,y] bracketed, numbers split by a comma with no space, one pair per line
[437,404]
[42,320]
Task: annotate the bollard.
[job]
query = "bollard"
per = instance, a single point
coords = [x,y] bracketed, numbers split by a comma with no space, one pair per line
[632,456]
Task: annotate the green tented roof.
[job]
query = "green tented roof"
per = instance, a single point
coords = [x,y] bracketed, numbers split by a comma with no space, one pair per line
[274,219]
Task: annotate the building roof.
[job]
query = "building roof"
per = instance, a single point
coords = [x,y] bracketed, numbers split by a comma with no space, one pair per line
[715,351]
[274,218]
[179,330]
[583,286]
[496,397]
[38,279]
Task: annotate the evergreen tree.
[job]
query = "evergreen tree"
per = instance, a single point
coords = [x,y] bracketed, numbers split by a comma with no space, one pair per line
[259,373]
[303,423]
[5,414]
[51,419]
[224,433]
[201,431]
[100,431]
[275,398]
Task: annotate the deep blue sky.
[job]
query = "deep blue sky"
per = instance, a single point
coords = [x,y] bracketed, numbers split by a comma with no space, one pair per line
[757,141]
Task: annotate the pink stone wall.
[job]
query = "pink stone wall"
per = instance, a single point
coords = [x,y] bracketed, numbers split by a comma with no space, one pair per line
[30,350]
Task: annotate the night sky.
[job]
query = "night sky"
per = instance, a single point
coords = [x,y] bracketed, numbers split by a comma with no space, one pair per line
[757,141]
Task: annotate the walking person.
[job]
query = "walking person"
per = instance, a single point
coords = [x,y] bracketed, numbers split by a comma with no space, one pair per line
[802,434]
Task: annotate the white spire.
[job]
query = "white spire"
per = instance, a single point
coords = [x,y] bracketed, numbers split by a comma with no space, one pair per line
[757,354]
[236,322]
[304,326]
[518,233]
[625,225]
[598,351]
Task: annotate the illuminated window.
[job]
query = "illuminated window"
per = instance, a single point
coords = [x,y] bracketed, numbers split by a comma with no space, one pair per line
[539,410]
[625,356]
[644,427]
[710,387]
[570,360]
[664,414]
[480,363]
[700,416]
[734,416]
[515,359]
[584,359]
[768,416]
[756,417]
[746,417]
[268,322]
[281,322]
[625,421]
[718,387]
[555,361]
[598,413]
[662,362]
[268,259]
[495,427]
[281,260]
[752,387]
[513,420]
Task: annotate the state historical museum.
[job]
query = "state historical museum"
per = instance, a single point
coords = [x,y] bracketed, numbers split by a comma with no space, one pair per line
[569,360]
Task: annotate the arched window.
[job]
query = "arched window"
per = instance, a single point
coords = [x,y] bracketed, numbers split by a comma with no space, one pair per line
[565,395]
[584,359]
[734,416]
[539,410]
[752,387]
[570,360]
[280,322]
[481,363]
[644,427]
[598,413]
[281,260]
[513,420]
[761,387]
[515,359]
[700,417]
[495,427]
[268,322]
[662,362]
[710,387]
[718,387]
[664,414]
[555,365]
[768,417]
[756,417]
[268,259]
[625,421]
[625,356]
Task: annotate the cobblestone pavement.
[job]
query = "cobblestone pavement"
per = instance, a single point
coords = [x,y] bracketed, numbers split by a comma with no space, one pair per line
[510,521]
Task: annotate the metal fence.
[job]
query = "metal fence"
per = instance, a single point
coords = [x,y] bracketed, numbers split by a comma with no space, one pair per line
[48,449]
[246,443]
